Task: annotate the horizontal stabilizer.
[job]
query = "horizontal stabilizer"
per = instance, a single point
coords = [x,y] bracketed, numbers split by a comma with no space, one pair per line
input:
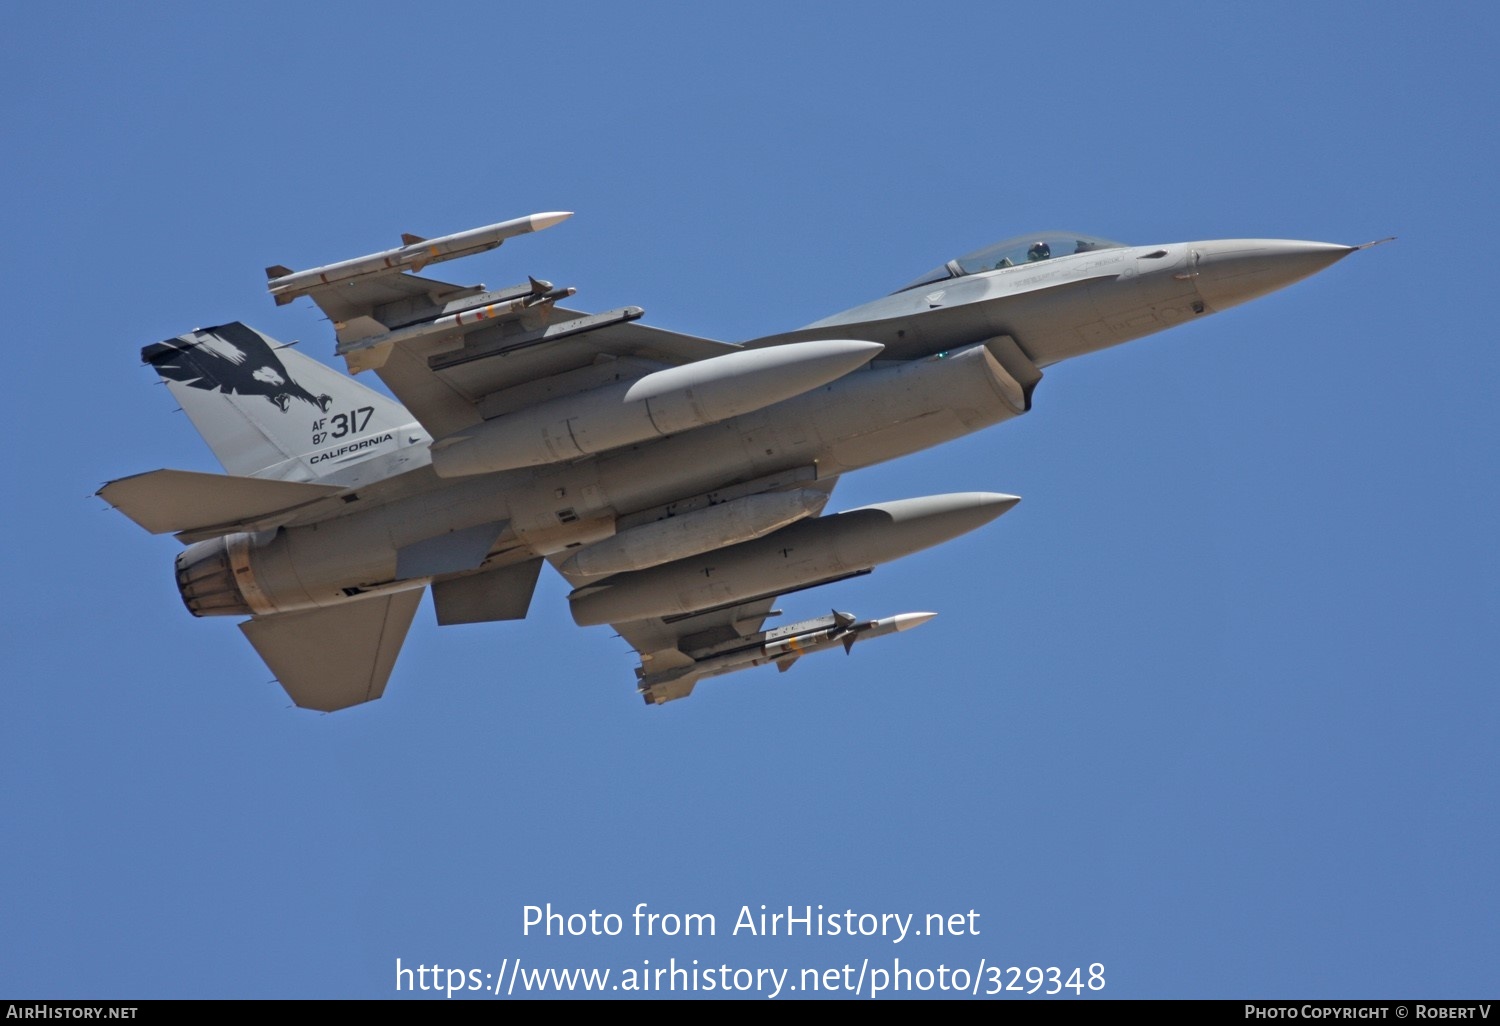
[184,500]
[339,656]
[500,594]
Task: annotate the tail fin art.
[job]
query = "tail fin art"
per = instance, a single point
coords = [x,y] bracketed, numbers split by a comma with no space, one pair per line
[267,411]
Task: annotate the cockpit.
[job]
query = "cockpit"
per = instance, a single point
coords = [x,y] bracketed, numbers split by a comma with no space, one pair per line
[1024,249]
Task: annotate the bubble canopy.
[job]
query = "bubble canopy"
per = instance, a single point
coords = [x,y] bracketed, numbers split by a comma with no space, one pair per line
[1023,249]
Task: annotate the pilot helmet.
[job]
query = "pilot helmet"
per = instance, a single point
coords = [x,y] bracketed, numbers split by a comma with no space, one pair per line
[1039,251]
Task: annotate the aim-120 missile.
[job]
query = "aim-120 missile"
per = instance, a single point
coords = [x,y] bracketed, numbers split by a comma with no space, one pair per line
[785,645]
[808,553]
[286,285]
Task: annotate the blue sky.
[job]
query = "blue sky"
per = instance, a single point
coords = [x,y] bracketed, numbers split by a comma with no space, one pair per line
[1215,706]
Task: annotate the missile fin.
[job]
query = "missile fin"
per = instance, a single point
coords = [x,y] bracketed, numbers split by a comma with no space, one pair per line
[408,239]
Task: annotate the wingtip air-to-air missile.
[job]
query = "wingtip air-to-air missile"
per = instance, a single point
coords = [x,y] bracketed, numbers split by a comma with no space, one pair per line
[414,253]
[677,483]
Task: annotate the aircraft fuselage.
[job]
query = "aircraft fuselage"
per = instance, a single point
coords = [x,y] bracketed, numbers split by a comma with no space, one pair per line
[960,355]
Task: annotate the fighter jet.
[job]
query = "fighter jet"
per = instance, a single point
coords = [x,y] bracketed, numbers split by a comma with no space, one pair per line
[678,483]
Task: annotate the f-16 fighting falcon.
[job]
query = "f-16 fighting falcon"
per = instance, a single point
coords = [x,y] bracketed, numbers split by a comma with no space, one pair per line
[679,484]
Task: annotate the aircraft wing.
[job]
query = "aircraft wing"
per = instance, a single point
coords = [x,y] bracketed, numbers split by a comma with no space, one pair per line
[355,298]
[455,355]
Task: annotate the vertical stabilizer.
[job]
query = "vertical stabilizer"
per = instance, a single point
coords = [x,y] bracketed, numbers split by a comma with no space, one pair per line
[268,411]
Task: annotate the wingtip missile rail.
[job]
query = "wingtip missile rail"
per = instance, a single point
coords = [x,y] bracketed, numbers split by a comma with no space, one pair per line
[285,285]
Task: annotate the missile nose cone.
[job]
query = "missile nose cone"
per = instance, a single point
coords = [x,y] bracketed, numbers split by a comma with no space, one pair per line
[906,621]
[1233,271]
[547,220]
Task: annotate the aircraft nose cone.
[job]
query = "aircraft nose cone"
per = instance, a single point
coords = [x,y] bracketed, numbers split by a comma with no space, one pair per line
[1234,271]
